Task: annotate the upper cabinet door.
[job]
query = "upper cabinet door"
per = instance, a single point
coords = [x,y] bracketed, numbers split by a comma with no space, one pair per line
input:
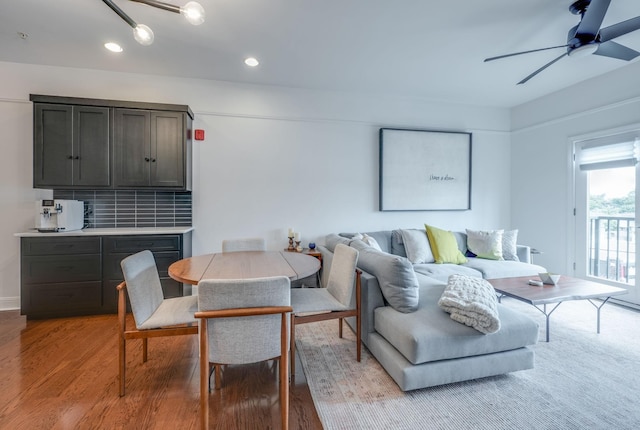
[132,155]
[52,146]
[91,152]
[167,149]
[71,147]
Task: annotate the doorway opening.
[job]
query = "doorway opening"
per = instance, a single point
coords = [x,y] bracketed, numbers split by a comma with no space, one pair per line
[606,179]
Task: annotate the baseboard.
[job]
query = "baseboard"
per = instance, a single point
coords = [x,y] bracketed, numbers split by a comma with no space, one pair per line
[9,303]
[625,304]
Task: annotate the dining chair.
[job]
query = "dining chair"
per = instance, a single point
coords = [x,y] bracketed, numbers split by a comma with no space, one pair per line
[248,244]
[154,315]
[340,299]
[251,325]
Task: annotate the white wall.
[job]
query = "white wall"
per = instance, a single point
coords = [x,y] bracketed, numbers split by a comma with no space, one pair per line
[542,200]
[273,157]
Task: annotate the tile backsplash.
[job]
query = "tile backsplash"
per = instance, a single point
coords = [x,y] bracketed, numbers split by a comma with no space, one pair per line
[132,208]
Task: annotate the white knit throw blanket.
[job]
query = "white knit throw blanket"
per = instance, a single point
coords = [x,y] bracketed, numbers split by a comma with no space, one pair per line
[471,301]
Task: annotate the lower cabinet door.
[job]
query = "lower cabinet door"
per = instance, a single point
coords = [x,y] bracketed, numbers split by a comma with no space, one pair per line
[50,269]
[64,299]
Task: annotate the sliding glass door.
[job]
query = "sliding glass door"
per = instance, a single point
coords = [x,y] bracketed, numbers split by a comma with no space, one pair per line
[606,179]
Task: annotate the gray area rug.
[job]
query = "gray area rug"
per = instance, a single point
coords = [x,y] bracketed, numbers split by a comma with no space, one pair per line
[581,380]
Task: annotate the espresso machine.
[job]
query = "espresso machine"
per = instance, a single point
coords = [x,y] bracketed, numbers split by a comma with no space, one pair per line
[54,216]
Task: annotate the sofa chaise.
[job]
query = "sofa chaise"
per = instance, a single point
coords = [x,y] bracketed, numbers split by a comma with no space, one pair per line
[416,342]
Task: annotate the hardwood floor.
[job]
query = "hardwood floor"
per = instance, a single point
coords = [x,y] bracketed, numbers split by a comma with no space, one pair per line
[63,374]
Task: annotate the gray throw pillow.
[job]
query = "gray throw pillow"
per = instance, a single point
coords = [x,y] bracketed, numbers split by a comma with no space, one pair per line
[395,275]
[509,245]
[417,246]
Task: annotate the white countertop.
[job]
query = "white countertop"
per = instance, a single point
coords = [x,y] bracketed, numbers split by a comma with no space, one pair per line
[109,231]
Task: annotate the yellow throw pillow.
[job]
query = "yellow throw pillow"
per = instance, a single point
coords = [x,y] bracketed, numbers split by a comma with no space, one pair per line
[444,246]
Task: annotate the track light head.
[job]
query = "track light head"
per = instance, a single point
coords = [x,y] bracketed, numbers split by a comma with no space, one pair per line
[193,12]
[143,35]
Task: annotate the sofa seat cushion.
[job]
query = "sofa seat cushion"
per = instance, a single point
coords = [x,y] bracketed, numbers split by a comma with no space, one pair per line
[491,269]
[441,272]
[429,334]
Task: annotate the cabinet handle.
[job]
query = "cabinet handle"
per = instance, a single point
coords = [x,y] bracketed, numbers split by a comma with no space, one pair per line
[67,268]
[153,160]
[77,157]
[146,159]
[70,157]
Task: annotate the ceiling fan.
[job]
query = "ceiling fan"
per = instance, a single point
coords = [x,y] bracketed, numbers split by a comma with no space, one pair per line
[588,38]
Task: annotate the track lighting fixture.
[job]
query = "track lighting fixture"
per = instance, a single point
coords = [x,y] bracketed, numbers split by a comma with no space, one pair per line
[192,11]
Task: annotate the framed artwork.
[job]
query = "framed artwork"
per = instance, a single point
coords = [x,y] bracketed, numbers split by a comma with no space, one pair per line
[423,170]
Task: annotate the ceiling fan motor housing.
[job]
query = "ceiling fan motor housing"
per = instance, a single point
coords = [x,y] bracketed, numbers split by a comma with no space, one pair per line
[579,7]
[575,40]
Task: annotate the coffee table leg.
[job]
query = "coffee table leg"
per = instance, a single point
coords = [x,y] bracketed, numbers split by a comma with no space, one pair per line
[547,314]
[598,308]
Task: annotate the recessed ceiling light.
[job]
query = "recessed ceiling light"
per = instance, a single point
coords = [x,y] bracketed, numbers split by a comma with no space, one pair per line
[251,62]
[113,47]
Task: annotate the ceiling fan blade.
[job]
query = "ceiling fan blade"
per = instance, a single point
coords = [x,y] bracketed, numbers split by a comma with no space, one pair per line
[592,18]
[615,50]
[541,69]
[620,29]
[523,52]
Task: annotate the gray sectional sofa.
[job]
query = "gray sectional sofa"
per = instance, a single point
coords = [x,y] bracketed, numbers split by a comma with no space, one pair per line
[418,343]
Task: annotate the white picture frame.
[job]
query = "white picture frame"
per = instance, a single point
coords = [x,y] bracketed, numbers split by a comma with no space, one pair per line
[424,170]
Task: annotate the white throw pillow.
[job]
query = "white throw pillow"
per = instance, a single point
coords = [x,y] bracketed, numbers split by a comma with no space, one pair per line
[509,245]
[416,244]
[371,242]
[485,244]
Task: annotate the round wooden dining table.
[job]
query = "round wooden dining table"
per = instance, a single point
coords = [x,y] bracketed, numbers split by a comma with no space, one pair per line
[244,265]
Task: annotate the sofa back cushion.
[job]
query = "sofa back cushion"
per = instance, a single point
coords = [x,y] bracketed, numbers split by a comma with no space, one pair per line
[395,276]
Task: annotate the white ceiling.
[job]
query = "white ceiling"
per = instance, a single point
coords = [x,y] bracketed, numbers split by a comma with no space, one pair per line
[417,48]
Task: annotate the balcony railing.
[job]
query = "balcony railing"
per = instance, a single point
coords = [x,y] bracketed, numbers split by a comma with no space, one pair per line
[612,248]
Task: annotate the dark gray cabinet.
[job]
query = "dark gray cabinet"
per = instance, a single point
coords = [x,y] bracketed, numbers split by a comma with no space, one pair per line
[75,275]
[61,276]
[71,146]
[110,144]
[150,149]
[166,249]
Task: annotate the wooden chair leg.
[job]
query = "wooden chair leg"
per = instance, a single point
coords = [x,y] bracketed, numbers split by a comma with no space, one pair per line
[204,376]
[358,315]
[292,347]
[144,349]
[284,374]
[340,328]
[122,342]
[358,338]
[122,358]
